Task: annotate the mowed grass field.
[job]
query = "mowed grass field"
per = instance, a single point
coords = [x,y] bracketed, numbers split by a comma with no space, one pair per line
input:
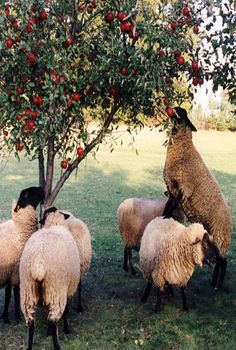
[113,317]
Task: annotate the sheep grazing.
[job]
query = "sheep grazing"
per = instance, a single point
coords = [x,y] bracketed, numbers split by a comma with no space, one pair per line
[192,186]
[50,271]
[169,252]
[82,237]
[13,235]
[133,215]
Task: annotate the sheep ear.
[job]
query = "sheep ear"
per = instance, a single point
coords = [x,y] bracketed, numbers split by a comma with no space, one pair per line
[197,240]
[66,216]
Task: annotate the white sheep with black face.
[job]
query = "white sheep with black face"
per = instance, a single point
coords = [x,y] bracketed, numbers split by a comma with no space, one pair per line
[50,272]
[133,215]
[169,253]
[14,233]
[82,237]
[192,186]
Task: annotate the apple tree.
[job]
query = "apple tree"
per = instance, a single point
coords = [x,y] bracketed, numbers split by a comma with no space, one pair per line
[65,64]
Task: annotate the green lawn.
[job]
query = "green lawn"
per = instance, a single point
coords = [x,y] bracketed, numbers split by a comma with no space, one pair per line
[114,317]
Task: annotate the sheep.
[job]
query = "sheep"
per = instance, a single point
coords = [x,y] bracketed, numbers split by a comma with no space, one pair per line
[13,236]
[169,252]
[191,185]
[50,270]
[133,215]
[82,237]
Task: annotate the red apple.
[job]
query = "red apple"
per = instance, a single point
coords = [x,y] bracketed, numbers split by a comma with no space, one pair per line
[19,146]
[181,21]
[126,27]
[121,16]
[5,132]
[195,81]
[185,11]
[180,60]
[90,8]
[194,65]
[29,29]
[113,91]
[173,26]
[43,14]
[70,101]
[80,151]
[170,112]
[76,96]
[162,53]
[27,112]
[123,70]
[69,41]
[200,80]
[109,16]
[32,58]
[31,124]
[196,29]
[40,100]
[64,164]
[18,117]
[35,114]
[9,42]
[20,90]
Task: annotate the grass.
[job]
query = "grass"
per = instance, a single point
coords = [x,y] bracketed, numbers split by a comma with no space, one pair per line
[114,317]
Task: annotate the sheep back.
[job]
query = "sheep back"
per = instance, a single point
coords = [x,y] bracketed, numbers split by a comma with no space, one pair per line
[167,252]
[50,257]
[202,199]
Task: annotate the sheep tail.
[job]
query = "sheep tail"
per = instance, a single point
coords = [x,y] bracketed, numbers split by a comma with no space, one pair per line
[38,270]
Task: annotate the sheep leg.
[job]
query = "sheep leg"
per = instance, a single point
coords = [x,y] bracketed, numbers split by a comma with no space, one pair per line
[65,319]
[172,203]
[130,263]
[223,265]
[125,263]
[30,334]
[54,329]
[79,305]
[170,290]
[185,305]
[5,315]
[157,308]
[219,272]
[215,273]
[16,290]
[146,292]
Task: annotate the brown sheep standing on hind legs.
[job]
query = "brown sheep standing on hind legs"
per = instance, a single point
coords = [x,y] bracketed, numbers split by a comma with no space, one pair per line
[191,184]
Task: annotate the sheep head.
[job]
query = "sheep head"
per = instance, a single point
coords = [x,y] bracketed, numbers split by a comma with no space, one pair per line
[181,119]
[30,196]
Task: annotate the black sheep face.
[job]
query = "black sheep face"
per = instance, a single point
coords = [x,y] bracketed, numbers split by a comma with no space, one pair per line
[30,196]
[181,119]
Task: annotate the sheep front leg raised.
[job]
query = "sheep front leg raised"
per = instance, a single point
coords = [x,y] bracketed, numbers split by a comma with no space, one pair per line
[219,272]
[172,203]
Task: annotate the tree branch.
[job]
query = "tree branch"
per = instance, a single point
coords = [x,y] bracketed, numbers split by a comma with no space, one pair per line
[88,149]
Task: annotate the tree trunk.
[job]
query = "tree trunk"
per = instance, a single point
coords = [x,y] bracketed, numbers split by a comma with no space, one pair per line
[50,192]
